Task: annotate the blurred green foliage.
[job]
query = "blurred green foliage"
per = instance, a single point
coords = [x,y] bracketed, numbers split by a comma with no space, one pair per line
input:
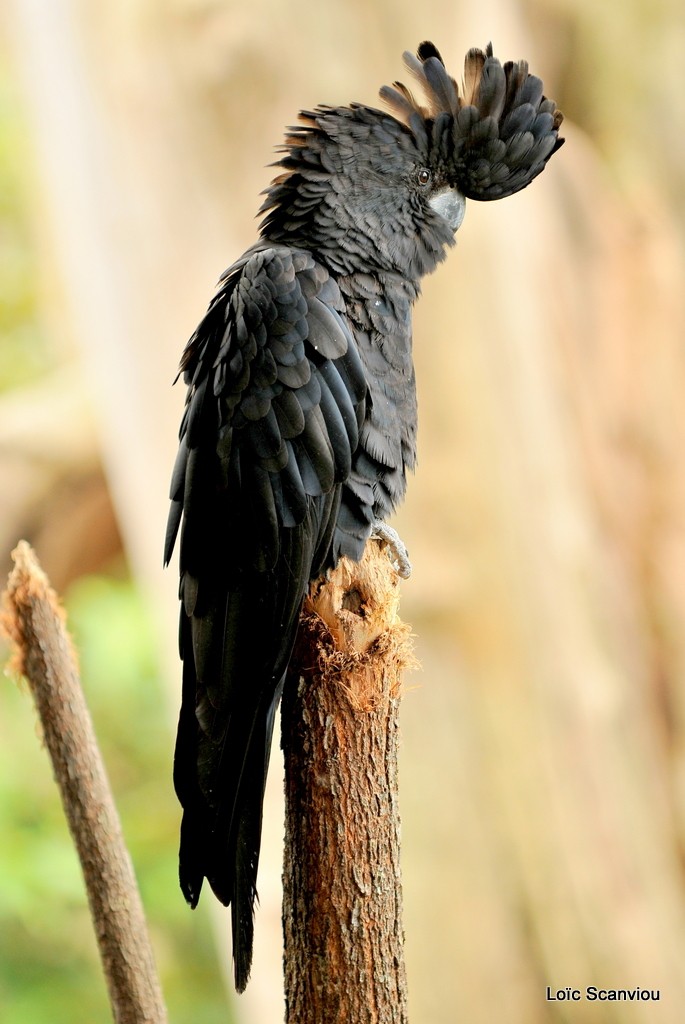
[49,967]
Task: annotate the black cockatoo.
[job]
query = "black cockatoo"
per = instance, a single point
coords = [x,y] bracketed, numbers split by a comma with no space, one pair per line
[300,420]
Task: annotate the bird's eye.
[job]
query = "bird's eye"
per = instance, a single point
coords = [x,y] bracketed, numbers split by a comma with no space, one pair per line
[424,177]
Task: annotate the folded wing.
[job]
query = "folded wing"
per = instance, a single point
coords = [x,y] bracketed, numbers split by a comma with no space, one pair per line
[276,393]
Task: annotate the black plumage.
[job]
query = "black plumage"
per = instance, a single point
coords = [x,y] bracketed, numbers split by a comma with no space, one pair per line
[300,422]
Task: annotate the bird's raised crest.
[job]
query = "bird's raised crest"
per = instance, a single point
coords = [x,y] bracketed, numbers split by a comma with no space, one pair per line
[442,93]
[497,129]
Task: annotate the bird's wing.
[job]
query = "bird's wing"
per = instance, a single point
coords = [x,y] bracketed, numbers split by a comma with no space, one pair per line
[276,395]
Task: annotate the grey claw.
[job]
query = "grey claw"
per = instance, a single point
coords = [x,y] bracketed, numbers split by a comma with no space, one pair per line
[398,552]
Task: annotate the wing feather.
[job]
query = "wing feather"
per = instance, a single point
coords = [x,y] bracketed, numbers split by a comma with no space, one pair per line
[276,395]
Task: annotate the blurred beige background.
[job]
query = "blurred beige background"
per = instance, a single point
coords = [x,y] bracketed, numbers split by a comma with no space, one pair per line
[542,774]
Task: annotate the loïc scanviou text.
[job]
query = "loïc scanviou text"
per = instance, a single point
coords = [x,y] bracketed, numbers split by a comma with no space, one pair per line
[591,994]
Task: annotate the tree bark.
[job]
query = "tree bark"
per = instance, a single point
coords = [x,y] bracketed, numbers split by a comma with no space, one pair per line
[342,902]
[34,620]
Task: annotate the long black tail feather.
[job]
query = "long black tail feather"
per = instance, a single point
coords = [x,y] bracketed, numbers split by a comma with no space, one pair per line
[221,840]
[236,645]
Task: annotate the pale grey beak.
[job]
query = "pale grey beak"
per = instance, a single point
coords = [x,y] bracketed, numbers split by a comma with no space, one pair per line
[451,205]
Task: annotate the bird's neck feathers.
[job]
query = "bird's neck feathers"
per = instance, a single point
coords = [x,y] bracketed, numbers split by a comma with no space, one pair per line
[347,193]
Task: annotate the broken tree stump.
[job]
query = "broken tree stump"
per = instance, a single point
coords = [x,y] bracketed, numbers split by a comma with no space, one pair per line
[342,909]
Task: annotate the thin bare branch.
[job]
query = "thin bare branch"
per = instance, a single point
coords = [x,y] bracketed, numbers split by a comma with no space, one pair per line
[35,622]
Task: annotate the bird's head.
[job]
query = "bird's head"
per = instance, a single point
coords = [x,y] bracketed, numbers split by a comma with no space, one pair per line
[366,187]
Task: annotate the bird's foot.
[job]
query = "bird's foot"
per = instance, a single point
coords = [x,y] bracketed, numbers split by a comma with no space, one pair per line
[398,552]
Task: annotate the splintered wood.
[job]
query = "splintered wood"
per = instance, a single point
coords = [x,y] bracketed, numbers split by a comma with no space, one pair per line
[344,957]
